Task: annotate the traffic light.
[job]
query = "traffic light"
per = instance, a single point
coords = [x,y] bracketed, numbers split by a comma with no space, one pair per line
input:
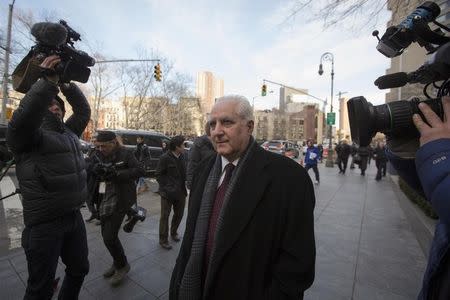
[264,90]
[157,73]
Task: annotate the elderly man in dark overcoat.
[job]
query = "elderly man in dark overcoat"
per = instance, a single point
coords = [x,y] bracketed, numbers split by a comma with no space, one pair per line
[249,231]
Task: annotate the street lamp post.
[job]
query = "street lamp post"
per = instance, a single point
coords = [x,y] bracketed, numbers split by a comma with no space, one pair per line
[328,56]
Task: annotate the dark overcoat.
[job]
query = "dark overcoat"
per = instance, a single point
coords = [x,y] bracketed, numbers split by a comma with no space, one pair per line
[267,249]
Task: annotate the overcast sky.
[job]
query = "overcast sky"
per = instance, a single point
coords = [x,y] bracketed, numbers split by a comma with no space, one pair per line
[242,42]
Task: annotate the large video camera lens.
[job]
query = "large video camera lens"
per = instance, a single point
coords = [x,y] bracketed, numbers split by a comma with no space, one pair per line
[393,119]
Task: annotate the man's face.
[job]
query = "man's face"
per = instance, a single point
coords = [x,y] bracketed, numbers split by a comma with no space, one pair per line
[180,149]
[55,108]
[139,140]
[230,133]
[106,148]
[309,143]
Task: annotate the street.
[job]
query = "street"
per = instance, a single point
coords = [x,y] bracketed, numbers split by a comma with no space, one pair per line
[366,248]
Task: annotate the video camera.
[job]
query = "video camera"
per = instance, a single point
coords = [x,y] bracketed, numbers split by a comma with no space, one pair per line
[395,118]
[53,39]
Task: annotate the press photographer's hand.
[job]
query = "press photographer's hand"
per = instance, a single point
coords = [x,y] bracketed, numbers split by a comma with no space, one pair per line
[437,129]
[48,65]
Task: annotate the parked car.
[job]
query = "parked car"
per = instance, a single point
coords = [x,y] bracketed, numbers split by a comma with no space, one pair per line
[152,139]
[282,147]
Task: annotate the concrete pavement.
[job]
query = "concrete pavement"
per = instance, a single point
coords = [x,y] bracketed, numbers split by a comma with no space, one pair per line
[365,246]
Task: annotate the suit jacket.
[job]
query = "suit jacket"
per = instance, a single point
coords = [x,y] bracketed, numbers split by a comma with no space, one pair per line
[267,249]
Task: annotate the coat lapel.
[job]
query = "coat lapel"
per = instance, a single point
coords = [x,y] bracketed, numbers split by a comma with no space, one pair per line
[238,211]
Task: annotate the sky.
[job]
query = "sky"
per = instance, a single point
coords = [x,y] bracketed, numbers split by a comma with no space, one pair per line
[241,42]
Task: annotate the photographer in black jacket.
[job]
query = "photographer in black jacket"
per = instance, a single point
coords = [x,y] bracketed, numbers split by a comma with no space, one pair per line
[52,178]
[117,171]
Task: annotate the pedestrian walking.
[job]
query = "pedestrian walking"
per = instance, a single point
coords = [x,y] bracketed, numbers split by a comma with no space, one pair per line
[143,156]
[343,151]
[380,160]
[311,159]
[171,177]
[363,153]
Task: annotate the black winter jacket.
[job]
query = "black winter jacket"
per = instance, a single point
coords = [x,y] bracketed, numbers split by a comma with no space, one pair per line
[127,174]
[201,148]
[171,176]
[49,162]
[343,151]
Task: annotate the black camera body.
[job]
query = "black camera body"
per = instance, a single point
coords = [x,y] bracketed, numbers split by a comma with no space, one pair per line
[395,118]
[137,213]
[74,63]
[106,171]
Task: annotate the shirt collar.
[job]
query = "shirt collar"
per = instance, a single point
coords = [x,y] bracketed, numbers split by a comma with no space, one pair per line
[225,162]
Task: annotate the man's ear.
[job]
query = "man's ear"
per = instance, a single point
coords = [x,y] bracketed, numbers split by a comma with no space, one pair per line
[251,125]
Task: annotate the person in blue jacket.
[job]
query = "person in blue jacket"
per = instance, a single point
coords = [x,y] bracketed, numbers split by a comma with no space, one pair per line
[430,175]
[312,157]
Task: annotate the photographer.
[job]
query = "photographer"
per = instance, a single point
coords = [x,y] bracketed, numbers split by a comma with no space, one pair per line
[52,178]
[117,171]
[433,169]
[430,175]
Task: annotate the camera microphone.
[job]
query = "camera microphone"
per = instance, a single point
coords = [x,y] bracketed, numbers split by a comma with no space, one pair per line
[49,34]
[392,80]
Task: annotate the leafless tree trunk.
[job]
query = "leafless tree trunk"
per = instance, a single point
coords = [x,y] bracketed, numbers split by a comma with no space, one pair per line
[103,85]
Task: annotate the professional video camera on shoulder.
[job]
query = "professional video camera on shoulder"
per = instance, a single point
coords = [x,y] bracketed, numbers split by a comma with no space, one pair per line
[395,118]
[53,39]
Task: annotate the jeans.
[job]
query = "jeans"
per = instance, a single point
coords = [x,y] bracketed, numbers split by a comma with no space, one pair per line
[110,233]
[342,164]
[316,171]
[178,211]
[44,243]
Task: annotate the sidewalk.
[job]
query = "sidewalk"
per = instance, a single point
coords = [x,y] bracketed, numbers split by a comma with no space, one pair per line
[365,247]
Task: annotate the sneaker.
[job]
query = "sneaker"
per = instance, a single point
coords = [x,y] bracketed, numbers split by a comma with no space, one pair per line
[165,245]
[110,272]
[119,275]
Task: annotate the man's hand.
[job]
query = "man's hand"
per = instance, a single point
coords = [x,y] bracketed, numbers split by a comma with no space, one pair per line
[437,129]
[48,64]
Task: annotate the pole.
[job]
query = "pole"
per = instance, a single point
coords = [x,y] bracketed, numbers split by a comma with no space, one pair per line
[328,56]
[6,69]
[329,163]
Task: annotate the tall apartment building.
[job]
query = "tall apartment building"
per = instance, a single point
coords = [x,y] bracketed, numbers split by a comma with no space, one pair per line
[209,88]
[414,56]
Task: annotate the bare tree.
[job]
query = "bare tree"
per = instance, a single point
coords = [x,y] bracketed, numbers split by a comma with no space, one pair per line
[148,102]
[103,85]
[332,12]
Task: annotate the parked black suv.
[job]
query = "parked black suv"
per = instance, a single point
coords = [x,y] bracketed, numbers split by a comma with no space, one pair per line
[152,139]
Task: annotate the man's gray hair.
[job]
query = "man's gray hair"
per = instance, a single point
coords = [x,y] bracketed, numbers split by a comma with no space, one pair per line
[244,109]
